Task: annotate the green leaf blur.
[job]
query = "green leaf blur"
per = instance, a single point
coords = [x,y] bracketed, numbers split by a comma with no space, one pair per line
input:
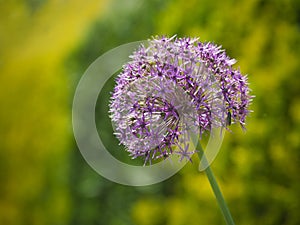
[46,45]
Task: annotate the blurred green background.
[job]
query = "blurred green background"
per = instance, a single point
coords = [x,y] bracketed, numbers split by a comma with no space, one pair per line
[45,47]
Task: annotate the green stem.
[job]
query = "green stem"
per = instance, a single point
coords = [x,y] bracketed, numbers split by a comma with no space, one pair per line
[215,187]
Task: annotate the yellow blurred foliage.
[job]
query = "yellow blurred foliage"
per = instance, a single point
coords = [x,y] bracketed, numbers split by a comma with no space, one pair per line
[35,106]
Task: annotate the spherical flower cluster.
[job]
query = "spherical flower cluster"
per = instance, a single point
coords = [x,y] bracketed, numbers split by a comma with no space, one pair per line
[172,87]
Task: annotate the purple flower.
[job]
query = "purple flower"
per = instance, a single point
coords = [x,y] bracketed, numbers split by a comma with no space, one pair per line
[173,87]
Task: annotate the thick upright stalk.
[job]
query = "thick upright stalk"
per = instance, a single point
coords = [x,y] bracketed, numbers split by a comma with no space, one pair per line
[215,187]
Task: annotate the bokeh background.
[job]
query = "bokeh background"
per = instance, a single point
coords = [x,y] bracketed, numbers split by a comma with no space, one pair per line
[45,47]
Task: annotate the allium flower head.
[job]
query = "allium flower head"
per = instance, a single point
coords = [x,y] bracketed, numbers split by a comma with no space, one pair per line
[172,87]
